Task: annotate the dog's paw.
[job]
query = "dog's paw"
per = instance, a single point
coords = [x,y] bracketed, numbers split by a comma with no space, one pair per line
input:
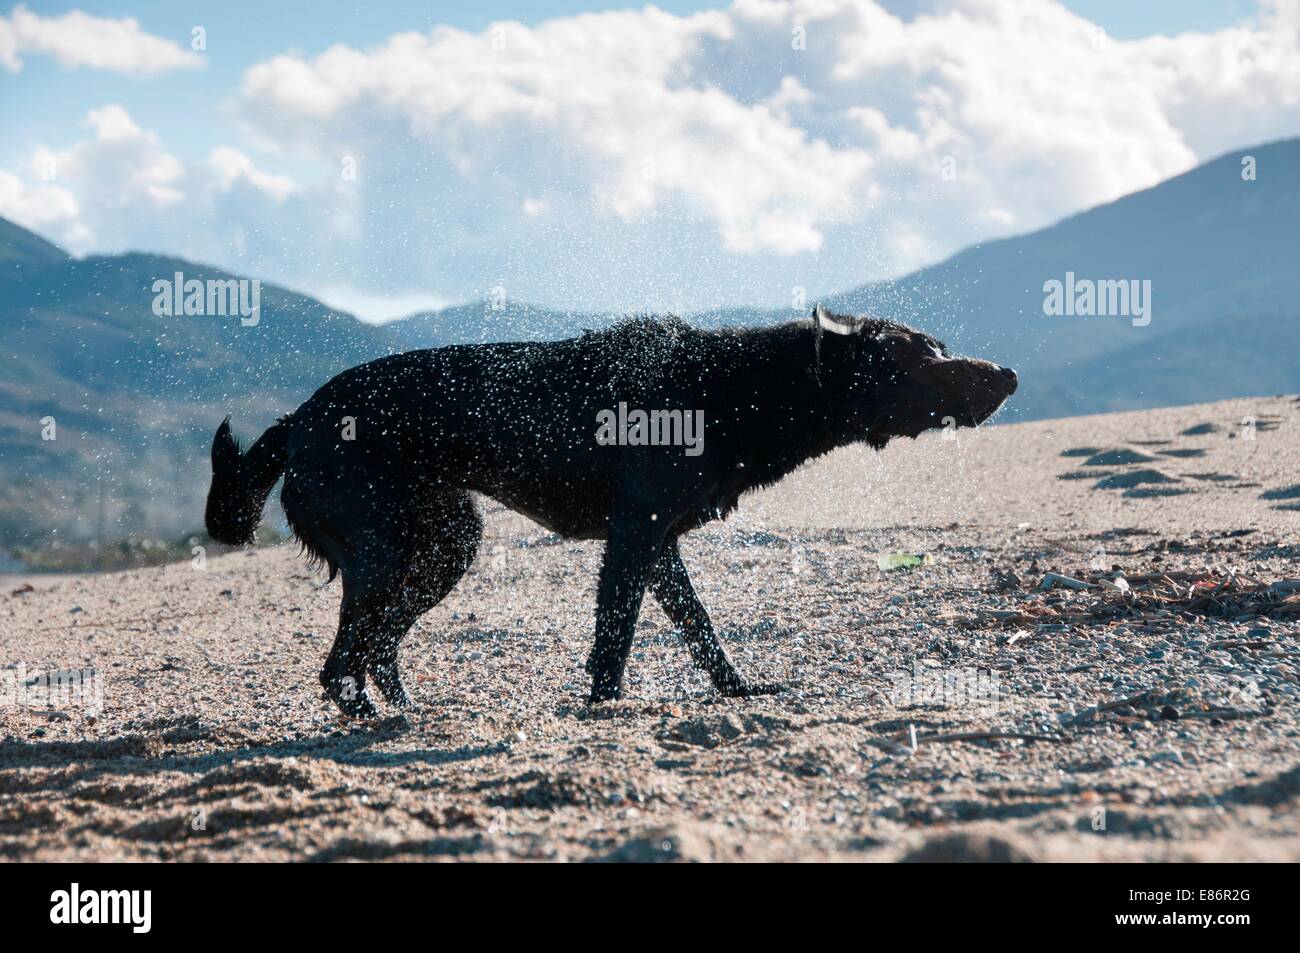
[389,682]
[357,706]
[606,694]
[752,690]
[399,699]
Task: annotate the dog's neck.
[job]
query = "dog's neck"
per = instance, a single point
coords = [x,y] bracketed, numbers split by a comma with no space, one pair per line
[801,406]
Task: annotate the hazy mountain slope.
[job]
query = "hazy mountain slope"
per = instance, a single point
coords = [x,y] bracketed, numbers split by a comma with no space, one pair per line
[17,245]
[135,396]
[476,322]
[1216,249]
[1207,362]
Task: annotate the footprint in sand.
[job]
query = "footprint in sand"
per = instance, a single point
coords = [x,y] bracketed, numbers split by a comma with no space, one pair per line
[1201,430]
[1082,474]
[1184,452]
[1118,457]
[1138,492]
[1133,479]
[1285,493]
[1080,451]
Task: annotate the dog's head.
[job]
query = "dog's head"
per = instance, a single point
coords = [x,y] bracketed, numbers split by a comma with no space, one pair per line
[904,381]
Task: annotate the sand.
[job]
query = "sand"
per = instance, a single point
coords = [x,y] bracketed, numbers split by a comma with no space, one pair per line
[212,742]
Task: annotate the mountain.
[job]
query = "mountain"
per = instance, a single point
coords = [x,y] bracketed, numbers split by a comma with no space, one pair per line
[135,396]
[21,247]
[480,321]
[1218,249]
[132,396]
[1205,362]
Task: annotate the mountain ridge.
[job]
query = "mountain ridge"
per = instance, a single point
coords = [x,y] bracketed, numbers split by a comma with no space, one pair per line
[138,395]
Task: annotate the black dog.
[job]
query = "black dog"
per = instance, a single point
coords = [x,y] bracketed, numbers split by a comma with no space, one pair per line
[378,463]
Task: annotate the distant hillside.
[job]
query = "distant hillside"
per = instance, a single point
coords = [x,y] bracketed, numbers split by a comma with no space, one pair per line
[134,396]
[477,322]
[19,246]
[1209,361]
[1218,251]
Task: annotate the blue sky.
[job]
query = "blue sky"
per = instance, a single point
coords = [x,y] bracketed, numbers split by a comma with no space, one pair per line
[760,170]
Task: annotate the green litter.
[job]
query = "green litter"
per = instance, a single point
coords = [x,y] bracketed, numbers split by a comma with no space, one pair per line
[888,561]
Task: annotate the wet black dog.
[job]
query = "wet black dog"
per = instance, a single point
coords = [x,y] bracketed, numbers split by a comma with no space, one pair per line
[634,435]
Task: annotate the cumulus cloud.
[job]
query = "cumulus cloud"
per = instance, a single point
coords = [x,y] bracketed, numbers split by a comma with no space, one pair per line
[120,188]
[825,141]
[232,167]
[638,159]
[604,90]
[79,39]
[42,207]
[119,173]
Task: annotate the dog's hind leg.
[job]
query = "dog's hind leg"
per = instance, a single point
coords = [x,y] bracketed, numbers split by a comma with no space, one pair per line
[672,588]
[445,539]
[363,524]
[344,674]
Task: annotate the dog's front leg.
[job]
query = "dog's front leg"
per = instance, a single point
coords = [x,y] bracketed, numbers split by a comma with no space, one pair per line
[671,585]
[630,552]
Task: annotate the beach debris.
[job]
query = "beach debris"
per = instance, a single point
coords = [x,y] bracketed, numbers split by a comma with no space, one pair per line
[23,590]
[1069,582]
[1157,598]
[891,561]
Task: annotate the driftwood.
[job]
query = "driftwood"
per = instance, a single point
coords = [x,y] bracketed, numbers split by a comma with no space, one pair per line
[1149,599]
[1088,714]
[1069,582]
[984,736]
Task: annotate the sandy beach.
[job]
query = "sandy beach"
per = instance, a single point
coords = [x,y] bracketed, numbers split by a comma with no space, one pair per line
[1144,709]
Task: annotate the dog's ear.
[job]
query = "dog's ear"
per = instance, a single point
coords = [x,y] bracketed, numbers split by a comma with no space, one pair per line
[824,322]
[827,321]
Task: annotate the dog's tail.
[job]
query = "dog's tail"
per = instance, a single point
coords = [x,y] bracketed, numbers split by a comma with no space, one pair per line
[241,481]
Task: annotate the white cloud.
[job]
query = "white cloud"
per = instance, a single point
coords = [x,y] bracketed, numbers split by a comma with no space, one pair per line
[79,39]
[42,207]
[378,309]
[603,88]
[232,166]
[638,131]
[121,173]
[120,189]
